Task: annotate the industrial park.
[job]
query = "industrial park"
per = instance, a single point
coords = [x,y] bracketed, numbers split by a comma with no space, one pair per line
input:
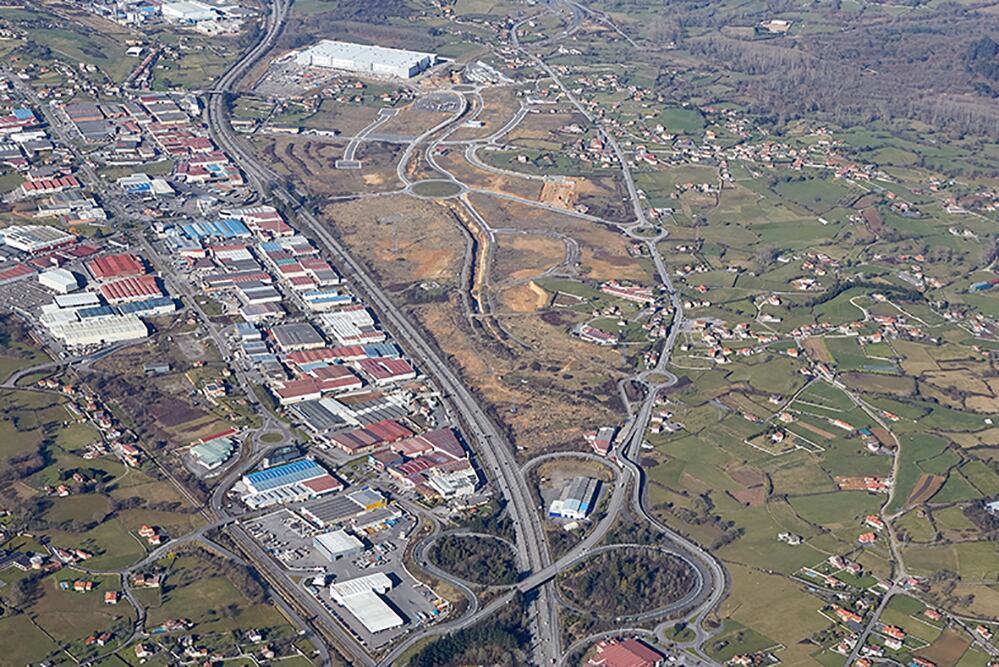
[452,333]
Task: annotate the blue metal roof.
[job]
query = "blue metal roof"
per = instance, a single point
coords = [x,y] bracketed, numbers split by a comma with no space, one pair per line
[283,475]
[381,350]
[148,304]
[229,228]
[95,311]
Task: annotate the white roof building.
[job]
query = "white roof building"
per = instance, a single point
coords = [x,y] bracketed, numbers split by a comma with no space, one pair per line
[59,280]
[376,60]
[337,544]
[188,11]
[78,300]
[353,325]
[362,598]
[34,238]
[99,330]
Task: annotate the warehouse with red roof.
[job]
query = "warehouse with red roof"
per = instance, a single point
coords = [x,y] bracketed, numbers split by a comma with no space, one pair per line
[115,266]
[136,288]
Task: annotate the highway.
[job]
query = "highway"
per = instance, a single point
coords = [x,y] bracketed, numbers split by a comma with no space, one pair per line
[494,453]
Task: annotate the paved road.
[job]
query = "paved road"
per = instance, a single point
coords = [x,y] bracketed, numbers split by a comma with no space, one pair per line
[495,454]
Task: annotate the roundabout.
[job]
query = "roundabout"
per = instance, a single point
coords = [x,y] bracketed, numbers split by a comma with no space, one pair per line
[436,189]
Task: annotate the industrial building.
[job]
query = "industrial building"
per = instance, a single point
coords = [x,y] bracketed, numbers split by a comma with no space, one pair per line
[115,266]
[187,11]
[625,653]
[133,288]
[365,59]
[35,238]
[60,281]
[362,598]
[78,300]
[101,330]
[211,452]
[297,336]
[291,482]
[337,544]
[353,325]
[577,500]
[344,507]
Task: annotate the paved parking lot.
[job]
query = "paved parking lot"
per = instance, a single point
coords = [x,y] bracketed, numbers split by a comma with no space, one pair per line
[288,538]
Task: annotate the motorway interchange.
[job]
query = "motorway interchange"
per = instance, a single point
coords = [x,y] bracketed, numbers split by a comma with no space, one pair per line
[315,616]
[494,454]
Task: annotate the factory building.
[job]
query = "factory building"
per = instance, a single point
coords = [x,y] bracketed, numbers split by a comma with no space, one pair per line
[362,598]
[337,544]
[116,266]
[577,499]
[365,59]
[102,330]
[34,239]
[297,336]
[187,11]
[214,450]
[60,281]
[133,288]
[291,482]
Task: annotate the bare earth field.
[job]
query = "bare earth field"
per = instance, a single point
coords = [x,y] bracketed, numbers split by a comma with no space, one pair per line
[544,384]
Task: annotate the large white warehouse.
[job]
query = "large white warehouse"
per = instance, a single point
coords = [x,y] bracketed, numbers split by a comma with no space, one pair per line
[187,11]
[362,598]
[366,59]
[99,330]
[60,281]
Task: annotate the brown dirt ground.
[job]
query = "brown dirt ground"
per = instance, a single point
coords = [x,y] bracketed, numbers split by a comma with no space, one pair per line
[311,161]
[521,256]
[882,384]
[925,488]
[348,119]
[814,429]
[751,497]
[559,193]
[471,175]
[523,298]
[547,394]
[545,126]
[411,121]
[500,106]
[746,475]
[962,380]
[604,251]
[946,650]
[423,243]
